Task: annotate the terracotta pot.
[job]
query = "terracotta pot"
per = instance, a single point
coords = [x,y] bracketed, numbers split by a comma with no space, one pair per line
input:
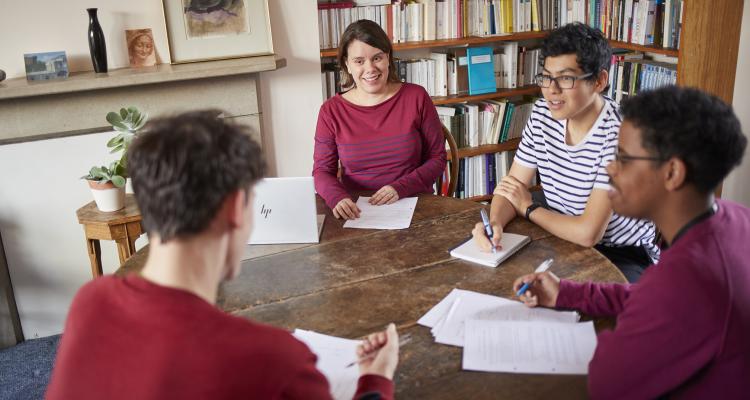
[107,196]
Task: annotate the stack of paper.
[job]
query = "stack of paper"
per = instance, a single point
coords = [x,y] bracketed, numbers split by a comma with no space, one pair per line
[502,335]
[334,355]
[387,216]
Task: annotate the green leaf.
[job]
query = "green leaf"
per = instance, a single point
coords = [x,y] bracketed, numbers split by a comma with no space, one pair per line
[114,141]
[118,181]
[123,113]
[115,120]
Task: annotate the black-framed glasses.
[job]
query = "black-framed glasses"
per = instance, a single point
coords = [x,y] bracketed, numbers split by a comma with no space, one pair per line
[562,81]
[624,158]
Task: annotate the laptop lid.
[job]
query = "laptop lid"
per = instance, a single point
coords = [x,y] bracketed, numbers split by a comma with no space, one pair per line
[284,211]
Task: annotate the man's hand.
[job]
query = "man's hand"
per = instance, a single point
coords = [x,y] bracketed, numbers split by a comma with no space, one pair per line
[385,195]
[481,239]
[346,209]
[516,192]
[543,291]
[379,353]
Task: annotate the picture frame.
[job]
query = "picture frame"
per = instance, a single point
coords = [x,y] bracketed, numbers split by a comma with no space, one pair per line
[46,66]
[201,30]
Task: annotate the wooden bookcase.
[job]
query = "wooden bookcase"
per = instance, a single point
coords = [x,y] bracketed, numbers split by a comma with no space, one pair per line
[707,58]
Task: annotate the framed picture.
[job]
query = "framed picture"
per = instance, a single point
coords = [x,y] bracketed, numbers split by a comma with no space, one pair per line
[44,66]
[140,47]
[200,30]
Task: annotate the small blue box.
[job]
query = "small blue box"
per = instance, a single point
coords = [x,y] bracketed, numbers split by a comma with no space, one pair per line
[45,66]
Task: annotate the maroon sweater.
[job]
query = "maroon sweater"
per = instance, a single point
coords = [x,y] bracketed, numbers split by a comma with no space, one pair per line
[127,338]
[398,142]
[684,329]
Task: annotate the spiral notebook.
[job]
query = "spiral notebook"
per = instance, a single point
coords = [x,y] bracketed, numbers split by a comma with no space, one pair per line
[510,242]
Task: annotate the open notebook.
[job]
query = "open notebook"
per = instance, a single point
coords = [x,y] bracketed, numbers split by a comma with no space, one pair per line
[470,251]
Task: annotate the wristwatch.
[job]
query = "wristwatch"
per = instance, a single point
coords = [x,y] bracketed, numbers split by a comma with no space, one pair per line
[533,206]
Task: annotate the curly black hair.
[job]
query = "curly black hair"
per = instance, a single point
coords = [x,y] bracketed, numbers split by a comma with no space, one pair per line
[591,48]
[183,167]
[696,127]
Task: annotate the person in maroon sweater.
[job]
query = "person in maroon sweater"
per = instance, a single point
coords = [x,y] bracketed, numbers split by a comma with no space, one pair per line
[159,335]
[682,330]
[385,134]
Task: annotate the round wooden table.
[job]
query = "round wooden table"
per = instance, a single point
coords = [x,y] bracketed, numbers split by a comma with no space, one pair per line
[354,282]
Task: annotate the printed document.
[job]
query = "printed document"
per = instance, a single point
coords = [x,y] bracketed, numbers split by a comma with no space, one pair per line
[537,347]
[388,216]
[450,326]
[334,354]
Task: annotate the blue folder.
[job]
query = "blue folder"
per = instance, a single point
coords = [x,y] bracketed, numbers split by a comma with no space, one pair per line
[481,70]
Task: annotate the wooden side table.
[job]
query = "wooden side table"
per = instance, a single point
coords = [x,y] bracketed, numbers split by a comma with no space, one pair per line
[123,226]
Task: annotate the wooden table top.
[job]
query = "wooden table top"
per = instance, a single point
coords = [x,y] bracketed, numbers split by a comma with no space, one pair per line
[356,281]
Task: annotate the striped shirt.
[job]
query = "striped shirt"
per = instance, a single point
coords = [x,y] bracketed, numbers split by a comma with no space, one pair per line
[569,173]
[398,142]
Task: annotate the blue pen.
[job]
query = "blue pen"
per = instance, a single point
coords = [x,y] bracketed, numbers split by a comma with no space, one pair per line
[487,227]
[541,268]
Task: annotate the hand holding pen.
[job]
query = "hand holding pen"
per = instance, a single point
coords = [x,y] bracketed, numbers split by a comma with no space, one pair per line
[540,288]
[378,353]
[487,237]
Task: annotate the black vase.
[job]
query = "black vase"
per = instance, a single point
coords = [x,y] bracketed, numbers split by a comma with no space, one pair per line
[97,47]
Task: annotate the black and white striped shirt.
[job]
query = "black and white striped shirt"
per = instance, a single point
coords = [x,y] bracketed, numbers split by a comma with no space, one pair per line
[569,173]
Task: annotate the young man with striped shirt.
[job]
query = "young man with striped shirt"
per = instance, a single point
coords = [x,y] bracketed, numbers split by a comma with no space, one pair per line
[569,139]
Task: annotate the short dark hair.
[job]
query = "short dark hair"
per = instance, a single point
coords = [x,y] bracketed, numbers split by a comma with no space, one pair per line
[183,167]
[698,128]
[591,48]
[368,32]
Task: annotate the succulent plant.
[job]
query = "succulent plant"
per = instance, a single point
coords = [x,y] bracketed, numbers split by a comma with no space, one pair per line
[114,173]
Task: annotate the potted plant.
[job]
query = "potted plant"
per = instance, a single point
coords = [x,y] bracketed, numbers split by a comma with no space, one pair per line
[108,186]
[107,183]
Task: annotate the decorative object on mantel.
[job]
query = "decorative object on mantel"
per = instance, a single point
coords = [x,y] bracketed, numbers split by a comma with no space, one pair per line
[2,75]
[97,46]
[45,66]
[200,30]
[140,47]
[108,183]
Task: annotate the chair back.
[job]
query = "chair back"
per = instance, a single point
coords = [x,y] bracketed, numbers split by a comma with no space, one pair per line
[453,171]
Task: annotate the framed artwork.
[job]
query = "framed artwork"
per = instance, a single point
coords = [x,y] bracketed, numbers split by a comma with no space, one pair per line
[140,47]
[45,66]
[201,30]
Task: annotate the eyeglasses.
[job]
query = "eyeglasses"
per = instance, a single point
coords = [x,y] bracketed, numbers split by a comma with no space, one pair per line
[624,158]
[562,81]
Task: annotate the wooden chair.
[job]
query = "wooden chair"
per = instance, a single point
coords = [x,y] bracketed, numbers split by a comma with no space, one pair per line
[453,172]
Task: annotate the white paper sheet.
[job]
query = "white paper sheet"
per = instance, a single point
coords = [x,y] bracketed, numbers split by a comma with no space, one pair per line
[334,354]
[389,216]
[529,347]
[475,305]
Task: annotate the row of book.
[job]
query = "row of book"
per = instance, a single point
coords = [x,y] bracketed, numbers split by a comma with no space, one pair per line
[486,122]
[459,71]
[632,73]
[645,22]
[478,175]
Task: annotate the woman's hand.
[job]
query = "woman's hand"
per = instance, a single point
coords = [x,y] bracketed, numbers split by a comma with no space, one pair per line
[386,195]
[516,192]
[346,209]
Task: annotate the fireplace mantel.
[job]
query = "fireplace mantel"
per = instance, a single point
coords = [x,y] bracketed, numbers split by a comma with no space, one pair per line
[77,105]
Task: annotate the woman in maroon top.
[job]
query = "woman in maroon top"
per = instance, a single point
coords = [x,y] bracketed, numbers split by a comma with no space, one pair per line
[385,134]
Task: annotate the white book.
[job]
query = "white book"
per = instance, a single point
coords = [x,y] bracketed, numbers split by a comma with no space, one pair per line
[510,243]
[441,73]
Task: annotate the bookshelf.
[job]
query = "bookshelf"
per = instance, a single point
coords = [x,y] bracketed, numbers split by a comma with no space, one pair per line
[706,58]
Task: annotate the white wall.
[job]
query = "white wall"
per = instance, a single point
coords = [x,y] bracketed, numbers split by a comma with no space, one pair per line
[39,186]
[737,185]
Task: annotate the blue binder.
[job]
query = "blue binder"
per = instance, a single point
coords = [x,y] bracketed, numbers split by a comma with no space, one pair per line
[481,70]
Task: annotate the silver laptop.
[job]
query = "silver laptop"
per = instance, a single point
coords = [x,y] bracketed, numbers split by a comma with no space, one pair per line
[284,211]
